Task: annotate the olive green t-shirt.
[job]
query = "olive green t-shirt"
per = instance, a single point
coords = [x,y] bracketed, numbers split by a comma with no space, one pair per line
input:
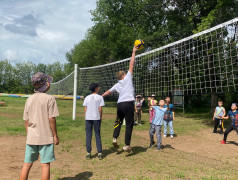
[38,109]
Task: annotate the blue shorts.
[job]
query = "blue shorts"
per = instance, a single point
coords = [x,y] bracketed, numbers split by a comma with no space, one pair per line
[46,153]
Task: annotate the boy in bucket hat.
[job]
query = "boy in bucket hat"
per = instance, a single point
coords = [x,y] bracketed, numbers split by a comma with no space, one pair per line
[40,123]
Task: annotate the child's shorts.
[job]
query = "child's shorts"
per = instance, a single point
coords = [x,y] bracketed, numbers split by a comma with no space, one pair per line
[46,153]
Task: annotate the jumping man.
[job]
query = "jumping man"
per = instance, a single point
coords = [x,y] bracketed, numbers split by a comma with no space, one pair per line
[125,103]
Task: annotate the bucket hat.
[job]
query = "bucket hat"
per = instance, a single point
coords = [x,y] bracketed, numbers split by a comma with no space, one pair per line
[41,81]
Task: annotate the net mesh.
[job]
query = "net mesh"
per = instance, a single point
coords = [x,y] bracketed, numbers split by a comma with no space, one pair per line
[206,62]
[64,86]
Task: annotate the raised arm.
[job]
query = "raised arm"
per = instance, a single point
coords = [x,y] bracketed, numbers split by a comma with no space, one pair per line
[132,61]
[107,93]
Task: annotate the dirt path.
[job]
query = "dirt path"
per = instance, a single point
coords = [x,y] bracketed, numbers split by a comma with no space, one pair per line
[202,143]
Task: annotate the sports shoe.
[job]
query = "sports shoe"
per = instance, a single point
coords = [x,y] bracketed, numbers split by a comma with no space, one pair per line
[171,136]
[140,124]
[165,135]
[127,148]
[158,149]
[100,157]
[88,156]
[151,145]
[223,142]
[114,142]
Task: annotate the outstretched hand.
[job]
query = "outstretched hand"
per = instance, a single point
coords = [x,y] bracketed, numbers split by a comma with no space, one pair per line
[135,48]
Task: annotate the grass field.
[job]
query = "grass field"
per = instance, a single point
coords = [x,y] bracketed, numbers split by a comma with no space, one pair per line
[194,153]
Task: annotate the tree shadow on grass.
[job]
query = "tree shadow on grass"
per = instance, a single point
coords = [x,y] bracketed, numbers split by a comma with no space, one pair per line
[81,176]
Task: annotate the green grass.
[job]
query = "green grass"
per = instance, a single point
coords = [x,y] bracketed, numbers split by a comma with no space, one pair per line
[142,163]
[12,124]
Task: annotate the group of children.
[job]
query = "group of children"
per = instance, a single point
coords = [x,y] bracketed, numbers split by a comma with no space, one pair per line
[160,113]
[219,116]
[40,122]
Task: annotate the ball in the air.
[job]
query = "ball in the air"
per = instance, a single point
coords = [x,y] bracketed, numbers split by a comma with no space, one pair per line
[139,43]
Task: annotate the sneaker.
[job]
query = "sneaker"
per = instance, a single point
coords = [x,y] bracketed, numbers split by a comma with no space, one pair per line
[151,145]
[127,148]
[100,157]
[223,142]
[165,135]
[140,124]
[171,136]
[88,156]
[114,142]
[135,123]
[158,149]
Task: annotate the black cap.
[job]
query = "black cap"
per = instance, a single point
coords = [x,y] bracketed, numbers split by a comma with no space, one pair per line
[93,86]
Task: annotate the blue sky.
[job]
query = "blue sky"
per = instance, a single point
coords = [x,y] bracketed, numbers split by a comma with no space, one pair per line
[42,31]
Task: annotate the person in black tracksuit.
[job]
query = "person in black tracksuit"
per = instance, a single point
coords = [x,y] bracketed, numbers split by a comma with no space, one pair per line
[125,103]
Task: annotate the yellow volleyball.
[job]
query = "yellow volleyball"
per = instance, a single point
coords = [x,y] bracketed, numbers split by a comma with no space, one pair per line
[139,43]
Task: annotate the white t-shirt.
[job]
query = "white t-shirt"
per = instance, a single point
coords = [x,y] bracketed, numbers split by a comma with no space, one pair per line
[125,89]
[93,102]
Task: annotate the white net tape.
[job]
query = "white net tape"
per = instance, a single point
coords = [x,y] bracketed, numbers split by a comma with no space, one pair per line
[206,62]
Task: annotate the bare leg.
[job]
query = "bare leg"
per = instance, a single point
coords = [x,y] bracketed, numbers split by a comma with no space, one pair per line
[45,171]
[25,171]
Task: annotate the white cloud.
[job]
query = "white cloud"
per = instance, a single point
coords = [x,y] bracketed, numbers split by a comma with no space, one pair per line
[11,55]
[52,36]
[42,31]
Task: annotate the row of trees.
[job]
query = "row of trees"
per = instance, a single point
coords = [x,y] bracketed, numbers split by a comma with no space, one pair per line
[117,23]
[17,78]
[158,22]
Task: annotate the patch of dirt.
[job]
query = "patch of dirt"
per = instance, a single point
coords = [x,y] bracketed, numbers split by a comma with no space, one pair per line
[202,148]
[203,142]
[8,115]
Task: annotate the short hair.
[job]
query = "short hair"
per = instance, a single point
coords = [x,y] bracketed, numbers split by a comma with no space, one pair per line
[220,101]
[93,87]
[119,74]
